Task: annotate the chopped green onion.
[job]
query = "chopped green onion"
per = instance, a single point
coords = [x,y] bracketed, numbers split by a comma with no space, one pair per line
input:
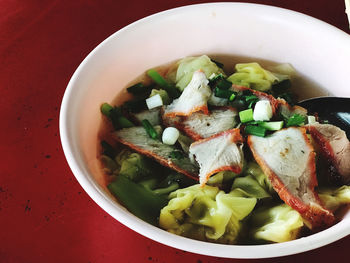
[106,109]
[116,116]
[272,125]
[170,135]
[224,84]
[311,119]
[296,120]
[246,115]
[219,64]
[149,129]
[154,102]
[232,97]
[221,93]
[250,100]
[255,130]
[124,122]
[157,78]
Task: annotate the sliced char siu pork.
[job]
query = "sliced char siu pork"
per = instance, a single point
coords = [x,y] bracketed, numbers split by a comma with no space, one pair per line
[194,97]
[334,146]
[279,106]
[199,125]
[288,159]
[137,139]
[220,152]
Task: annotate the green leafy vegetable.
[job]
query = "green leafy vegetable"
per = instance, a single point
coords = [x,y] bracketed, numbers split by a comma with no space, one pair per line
[296,120]
[137,199]
[255,130]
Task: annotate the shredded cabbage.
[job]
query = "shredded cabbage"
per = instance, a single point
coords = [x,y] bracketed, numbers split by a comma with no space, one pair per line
[206,213]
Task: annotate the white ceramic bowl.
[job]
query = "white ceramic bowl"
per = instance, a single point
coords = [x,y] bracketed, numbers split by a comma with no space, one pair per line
[320,51]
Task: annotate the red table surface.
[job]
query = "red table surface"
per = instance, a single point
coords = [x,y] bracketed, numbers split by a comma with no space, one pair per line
[45,215]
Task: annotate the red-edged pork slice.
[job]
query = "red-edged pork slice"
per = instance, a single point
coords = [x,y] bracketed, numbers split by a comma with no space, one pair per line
[199,125]
[335,148]
[221,152]
[278,105]
[137,139]
[288,111]
[261,95]
[194,97]
[288,159]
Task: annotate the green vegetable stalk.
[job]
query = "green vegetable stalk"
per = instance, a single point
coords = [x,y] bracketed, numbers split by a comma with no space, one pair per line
[137,199]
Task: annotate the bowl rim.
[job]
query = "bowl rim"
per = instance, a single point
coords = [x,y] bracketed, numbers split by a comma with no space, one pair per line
[300,245]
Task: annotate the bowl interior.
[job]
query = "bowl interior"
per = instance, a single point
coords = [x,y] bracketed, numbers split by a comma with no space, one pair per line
[234,29]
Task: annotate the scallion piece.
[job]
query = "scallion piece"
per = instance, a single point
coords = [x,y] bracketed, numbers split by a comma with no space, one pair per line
[224,84]
[232,97]
[296,120]
[157,78]
[250,100]
[124,122]
[246,115]
[149,129]
[221,93]
[106,109]
[154,102]
[272,125]
[255,130]
[219,64]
